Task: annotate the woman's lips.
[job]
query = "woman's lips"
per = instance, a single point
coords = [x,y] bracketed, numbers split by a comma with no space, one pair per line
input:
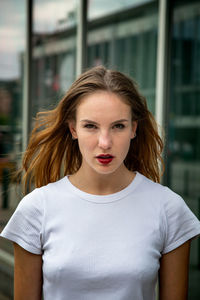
[105,159]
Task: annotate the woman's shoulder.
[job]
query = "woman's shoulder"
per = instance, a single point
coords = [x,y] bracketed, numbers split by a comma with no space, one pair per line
[149,185]
[158,192]
[38,195]
[51,186]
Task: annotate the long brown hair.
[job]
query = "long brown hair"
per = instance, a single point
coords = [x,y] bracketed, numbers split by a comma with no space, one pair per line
[52,153]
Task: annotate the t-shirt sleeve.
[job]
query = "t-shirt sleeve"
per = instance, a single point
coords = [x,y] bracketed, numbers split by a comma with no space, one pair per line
[25,227]
[180,224]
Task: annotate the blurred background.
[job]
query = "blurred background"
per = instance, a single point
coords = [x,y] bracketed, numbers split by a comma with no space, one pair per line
[45,44]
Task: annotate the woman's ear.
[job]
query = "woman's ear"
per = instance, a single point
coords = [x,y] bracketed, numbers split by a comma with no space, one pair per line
[72,128]
[134,128]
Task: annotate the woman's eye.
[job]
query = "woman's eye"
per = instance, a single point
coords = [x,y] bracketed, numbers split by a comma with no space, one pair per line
[90,126]
[119,126]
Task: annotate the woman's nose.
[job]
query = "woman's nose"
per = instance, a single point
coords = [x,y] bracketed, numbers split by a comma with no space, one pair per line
[105,141]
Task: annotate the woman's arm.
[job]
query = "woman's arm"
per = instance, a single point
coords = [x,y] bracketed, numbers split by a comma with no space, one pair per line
[27,275]
[173,274]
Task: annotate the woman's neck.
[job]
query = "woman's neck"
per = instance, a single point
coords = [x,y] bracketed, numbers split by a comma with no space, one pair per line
[102,184]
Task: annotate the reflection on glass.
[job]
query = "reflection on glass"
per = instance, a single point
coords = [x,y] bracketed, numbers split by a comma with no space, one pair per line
[99,8]
[12,36]
[184,120]
[129,46]
[184,114]
[53,16]
[54,51]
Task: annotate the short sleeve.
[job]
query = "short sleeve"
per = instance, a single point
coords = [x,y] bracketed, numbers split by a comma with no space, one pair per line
[180,224]
[25,225]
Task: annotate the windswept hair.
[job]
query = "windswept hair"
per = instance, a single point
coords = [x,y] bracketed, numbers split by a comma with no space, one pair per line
[52,153]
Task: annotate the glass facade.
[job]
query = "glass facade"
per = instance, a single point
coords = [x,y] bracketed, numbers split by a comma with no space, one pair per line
[128,45]
[99,8]
[185,102]
[12,36]
[54,51]
[54,54]
[184,119]
[50,16]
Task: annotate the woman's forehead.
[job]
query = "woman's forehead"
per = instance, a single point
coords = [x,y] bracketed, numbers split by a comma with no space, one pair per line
[103,109]
[102,101]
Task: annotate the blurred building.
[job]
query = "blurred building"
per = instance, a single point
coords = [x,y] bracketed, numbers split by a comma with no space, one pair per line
[122,35]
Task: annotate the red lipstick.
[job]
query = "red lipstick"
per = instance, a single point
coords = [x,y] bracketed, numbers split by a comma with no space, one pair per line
[105,158]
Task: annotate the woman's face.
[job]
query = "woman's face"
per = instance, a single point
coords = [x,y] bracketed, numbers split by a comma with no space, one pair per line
[104,129]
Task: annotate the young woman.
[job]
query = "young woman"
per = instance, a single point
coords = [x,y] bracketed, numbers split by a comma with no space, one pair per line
[99,225]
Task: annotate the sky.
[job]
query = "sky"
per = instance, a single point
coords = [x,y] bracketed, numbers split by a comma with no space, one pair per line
[13,29]
[46,14]
[97,8]
[12,33]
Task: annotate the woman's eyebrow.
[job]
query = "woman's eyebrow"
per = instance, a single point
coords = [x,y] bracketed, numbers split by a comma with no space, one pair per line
[120,121]
[93,122]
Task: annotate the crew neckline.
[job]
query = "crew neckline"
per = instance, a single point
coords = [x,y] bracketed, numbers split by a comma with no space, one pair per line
[105,198]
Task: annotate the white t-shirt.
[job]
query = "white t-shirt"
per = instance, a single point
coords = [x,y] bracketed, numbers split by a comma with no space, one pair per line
[101,247]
